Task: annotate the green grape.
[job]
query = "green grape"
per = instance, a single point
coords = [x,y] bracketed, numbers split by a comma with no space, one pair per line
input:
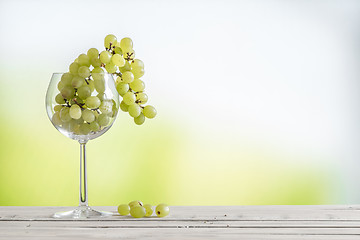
[106,107]
[76,129]
[103,120]
[135,204]
[149,210]
[66,125]
[110,39]
[139,119]
[64,114]
[84,60]
[91,85]
[95,62]
[88,115]
[85,129]
[77,82]
[101,96]
[138,74]
[124,107]
[141,98]
[75,111]
[137,85]
[122,88]
[56,119]
[118,60]
[137,64]
[113,101]
[110,68]
[73,126]
[93,102]
[97,76]
[84,91]
[105,57]
[94,126]
[67,92]
[99,84]
[96,113]
[59,99]
[66,78]
[60,85]
[117,81]
[129,98]
[162,210]
[79,121]
[149,111]
[64,83]
[97,70]
[92,53]
[118,50]
[124,209]
[137,68]
[84,71]
[134,110]
[73,68]
[129,55]
[114,109]
[126,44]
[57,108]
[137,212]
[125,68]
[127,77]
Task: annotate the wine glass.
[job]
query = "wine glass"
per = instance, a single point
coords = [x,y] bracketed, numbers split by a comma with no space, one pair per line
[82,108]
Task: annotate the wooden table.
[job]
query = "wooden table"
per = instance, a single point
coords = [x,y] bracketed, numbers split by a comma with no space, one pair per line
[195,222]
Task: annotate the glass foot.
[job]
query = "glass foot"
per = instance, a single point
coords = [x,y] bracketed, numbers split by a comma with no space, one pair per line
[82,212]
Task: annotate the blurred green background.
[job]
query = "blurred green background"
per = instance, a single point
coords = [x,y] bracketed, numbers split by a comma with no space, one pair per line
[256,103]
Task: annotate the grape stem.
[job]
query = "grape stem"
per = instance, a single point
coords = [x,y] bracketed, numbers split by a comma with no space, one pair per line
[81,105]
[129,56]
[110,46]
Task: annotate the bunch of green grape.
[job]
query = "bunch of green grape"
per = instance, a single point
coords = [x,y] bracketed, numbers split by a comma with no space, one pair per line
[82,106]
[138,210]
[119,59]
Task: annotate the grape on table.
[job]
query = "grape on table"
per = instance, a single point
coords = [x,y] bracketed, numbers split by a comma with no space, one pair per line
[138,210]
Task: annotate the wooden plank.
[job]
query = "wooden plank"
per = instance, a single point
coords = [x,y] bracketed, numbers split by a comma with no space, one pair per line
[182,233]
[203,213]
[144,223]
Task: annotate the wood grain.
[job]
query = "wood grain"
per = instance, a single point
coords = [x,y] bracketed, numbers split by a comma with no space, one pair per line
[189,222]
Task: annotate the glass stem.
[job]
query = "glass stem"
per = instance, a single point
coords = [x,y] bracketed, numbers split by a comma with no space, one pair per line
[83,201]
